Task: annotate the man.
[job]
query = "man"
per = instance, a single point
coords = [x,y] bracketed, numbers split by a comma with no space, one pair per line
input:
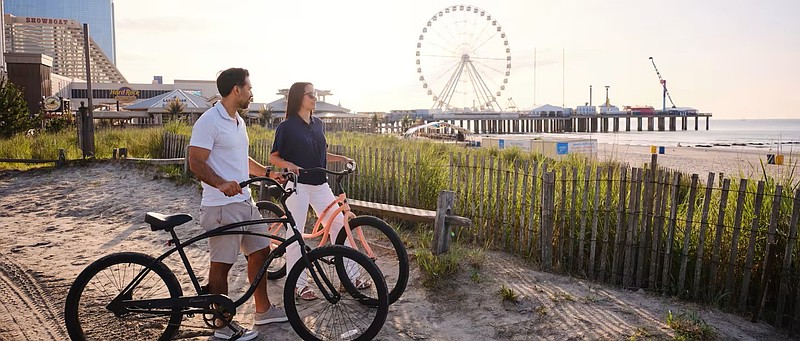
[218,156]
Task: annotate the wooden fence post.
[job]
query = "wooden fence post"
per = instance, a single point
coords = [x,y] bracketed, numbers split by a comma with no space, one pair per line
[441,231]
[647,220]
[533,210]
[606,225]
[595,212]
[720,228]
[737,227]
[548,194]
[563,230]
[573,216]
[619,238]
[62,158]
[687,236]
[787,260]
[751,246]
[658,226]
[584,215]
[186,160]
[630,251]
[768,253]
[702,237]
[521,232]
[665,277]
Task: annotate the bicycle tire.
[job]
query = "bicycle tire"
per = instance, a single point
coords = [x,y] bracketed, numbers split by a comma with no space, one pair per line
[72,308]
[267,209]
[336,254]
[396,285]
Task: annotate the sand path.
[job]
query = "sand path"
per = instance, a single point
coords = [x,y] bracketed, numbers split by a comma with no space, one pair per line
[53,223]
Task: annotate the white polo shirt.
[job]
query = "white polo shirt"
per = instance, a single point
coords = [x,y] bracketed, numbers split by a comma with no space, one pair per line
[227,140]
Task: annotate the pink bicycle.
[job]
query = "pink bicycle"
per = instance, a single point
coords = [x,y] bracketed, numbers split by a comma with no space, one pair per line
[368,234]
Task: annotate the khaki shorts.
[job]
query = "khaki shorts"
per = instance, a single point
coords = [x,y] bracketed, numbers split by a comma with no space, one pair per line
[225,249]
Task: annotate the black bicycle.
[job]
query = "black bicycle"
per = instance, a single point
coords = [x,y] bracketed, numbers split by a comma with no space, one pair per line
[368,234]
[133,296]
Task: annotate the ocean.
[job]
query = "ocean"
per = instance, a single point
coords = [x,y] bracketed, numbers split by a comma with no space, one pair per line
[752,133]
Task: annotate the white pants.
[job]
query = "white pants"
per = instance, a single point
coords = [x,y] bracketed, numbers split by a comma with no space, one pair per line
[319,196]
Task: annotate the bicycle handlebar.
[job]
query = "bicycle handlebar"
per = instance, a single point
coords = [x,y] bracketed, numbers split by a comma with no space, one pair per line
[289,175]
[349,168]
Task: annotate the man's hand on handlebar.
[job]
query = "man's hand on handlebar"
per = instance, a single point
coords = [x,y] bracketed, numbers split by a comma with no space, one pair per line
[230,188]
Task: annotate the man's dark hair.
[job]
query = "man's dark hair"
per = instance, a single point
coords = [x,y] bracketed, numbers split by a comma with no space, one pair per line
[229,78]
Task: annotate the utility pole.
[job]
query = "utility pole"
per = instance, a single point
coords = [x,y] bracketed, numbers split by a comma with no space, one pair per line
[563,77]
[534,76]
[3,69]
[88,119]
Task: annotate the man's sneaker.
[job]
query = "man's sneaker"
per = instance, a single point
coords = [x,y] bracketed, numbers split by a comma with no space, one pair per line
[226,333]
[272,315]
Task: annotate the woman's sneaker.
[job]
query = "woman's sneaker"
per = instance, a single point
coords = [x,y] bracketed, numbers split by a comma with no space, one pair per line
[272,315]
[226,333]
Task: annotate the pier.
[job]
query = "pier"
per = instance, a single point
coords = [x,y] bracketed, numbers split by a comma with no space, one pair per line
[510,123]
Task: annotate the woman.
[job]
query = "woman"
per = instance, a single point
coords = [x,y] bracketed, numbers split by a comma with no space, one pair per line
[300,143]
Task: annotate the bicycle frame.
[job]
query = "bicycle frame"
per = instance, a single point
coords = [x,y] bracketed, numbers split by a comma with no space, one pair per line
[322,227]
[202,301]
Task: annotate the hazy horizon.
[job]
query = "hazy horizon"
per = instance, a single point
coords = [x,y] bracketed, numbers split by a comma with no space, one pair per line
[734,59]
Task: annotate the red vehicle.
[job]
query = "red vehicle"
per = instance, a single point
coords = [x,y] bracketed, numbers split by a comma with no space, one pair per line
[643,110]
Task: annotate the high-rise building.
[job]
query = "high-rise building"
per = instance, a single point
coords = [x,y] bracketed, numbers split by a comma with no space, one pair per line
[62,41]
[99,14]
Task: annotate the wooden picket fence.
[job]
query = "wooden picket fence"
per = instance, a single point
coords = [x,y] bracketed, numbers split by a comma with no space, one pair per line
[730,243]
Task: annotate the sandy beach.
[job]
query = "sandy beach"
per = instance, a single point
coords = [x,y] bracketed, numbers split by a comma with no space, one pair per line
[737,162]
[54,223]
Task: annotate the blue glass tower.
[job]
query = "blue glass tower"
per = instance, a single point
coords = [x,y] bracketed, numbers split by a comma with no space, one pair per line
[99,14]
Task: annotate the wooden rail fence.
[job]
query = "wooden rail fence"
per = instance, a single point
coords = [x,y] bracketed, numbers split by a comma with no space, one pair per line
[731,243]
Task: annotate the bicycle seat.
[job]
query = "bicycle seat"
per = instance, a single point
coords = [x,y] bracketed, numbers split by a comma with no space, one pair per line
[160,221]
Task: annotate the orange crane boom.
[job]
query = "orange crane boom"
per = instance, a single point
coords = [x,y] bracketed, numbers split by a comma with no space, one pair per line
[664,86]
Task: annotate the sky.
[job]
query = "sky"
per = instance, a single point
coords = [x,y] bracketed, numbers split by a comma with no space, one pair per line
[732,58]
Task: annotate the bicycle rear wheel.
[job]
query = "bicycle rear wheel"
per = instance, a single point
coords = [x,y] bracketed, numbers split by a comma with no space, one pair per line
[269,210]
[85,312]
[387,251]
[346,317]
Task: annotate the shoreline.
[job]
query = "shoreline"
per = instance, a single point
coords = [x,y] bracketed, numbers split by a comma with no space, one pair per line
[732,161]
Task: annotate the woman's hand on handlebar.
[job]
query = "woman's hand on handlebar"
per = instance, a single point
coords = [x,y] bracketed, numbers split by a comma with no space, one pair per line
[278,176]
[291,167]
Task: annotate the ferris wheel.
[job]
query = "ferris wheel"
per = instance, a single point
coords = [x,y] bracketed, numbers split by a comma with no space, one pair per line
[463,59]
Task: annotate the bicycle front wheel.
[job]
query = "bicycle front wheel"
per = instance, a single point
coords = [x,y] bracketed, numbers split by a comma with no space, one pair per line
[344,316]
[86,314]
[375,238]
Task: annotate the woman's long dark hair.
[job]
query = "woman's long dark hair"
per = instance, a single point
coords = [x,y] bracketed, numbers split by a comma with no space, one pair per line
[295,98]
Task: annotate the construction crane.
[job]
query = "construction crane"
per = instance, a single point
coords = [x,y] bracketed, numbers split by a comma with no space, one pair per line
[664,85]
